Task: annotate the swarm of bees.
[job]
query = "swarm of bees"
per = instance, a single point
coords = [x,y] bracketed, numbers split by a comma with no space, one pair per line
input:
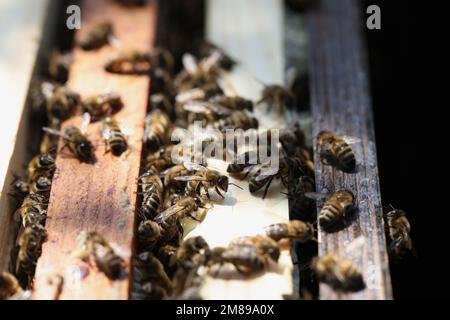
[172,195]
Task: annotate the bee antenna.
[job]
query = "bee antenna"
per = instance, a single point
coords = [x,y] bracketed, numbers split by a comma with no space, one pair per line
[233,184]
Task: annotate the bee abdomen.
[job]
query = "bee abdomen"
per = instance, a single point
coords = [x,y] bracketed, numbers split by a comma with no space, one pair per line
[150,205]
[117,142]
[277,231]
[329,215]
[254,185]
[345,155]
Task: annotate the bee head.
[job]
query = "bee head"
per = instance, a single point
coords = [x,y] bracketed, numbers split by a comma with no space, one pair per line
[46,160]
[326,136]
[222,182]
[254,123]
[248,105]
[85,148]
[274,253]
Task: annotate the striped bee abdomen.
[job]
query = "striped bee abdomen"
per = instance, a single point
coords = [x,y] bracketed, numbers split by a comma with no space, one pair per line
[344,154]
[329,214]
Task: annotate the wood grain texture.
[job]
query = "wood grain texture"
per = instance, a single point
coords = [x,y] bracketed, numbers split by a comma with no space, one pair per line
[23,24]
[101,196]
[341,102]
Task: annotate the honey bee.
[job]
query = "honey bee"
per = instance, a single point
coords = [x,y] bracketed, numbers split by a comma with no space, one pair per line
[33,210]
[237,120]
[173,172]
[192,254]
[207,111]
[338,206]
[150,281]
[41,165]
[299,204]
[292,138]
[20,188]
[336,151]
[246,259]
[93,245]
[129,62]
[9,286]
[189,249]
[59,66]
[148,233]
[40,91]
[30,248]
[265,245]
[41,185]
[399,230]
[260,176]
[205,179]
[233,103]
[277,97]
[61,103]
[162,58]
[96,36]
[340,273]
[224,61]
[185,206]
[162,82]
[171,230]
[236,168]
[165,254]
[197,74]
[160,160]
[49,143]
[294,229]
[152,189]
[157,124]
[76,140]
[162,102]
[102,104]
[114,136]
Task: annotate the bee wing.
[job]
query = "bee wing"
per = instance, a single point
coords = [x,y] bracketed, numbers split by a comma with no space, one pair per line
[189,178]
[167,213]
[197,106]
[106,133]
[291,73]
[190,63]
[86,119]
[211,60]
[195,166]
[266,174]
[317,195]
[55,132]
[47,89]
[351,139]
[126,130]
[189,95]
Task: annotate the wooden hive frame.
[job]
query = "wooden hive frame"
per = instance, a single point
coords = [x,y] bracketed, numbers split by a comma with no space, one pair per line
[340,102]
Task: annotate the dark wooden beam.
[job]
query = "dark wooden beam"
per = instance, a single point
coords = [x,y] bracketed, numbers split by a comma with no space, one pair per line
[341,102]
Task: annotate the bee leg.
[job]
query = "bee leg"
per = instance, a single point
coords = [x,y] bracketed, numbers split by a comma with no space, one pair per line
[192,217]
[267,188]
[218,192]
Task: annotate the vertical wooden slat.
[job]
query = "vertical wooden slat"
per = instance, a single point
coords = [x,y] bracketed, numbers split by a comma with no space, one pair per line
[100,196]
[341,102]
[25,34]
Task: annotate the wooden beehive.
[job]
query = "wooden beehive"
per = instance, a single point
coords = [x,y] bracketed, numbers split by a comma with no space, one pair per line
[102,197]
